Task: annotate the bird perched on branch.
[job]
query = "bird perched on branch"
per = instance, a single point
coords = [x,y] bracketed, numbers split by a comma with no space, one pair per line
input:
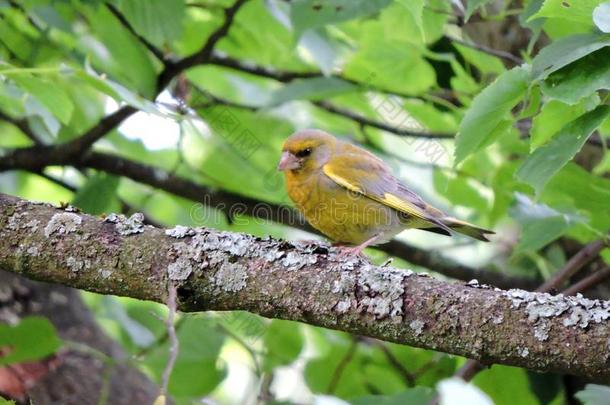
[351,196]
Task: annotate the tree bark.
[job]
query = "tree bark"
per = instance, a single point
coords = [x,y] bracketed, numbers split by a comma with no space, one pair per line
[310,283]
[81,378]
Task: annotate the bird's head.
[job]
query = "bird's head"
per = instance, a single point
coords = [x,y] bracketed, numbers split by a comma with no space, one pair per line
[308,149]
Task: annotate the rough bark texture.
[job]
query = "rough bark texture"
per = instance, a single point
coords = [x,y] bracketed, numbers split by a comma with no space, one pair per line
[308,283]
[81,378]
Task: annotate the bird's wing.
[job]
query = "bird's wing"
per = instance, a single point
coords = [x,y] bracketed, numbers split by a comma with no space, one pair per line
[363,173]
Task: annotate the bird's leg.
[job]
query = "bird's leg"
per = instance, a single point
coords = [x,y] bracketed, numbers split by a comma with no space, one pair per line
[356,250]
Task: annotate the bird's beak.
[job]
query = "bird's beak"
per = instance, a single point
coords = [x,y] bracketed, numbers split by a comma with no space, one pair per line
[288,162]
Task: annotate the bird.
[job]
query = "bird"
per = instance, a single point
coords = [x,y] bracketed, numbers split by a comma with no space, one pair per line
[352,197]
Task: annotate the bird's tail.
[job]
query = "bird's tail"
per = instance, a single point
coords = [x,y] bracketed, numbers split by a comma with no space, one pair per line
[466,228]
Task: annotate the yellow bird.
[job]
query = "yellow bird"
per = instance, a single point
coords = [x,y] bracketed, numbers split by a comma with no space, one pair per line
[351,196]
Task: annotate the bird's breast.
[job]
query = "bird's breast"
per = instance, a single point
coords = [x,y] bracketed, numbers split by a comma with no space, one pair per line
[341,215]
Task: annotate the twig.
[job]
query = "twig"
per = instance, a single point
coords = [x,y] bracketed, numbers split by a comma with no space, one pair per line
[243,344]
[265,395]
[332,385]
[588,282]
[575,264]
[325,105]
[204,54]
[494,52]
[174,344]
[407,376]
[23,126]
[286,76]
[152,48]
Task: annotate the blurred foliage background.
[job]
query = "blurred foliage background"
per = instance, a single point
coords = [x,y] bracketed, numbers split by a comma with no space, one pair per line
[496,111]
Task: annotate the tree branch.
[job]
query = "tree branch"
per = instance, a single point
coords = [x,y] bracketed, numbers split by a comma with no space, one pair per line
[333,109]
[286,76]
[485,49]
[309,283]
[205,53]
[72,149]
[573,266]
[362,120]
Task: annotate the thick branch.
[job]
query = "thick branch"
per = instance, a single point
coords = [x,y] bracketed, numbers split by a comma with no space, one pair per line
[308,283]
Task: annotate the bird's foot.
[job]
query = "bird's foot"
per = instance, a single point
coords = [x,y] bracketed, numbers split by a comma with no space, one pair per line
[345,251]
[355,250]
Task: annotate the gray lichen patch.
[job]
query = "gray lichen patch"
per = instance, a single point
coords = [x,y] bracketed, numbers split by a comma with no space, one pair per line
[14,222]
[296,261]
[127,226]
[62,223]
[417,326]
[76,264]
[32,225]
[383,289]
[105,273]
[343,306]
[346,282]
[231,277]
[523,351]
[576,310]
[541,331]
[180,231]
[33,251]
[179,270]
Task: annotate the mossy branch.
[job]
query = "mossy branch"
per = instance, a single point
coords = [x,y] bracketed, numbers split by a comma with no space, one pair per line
[305,282]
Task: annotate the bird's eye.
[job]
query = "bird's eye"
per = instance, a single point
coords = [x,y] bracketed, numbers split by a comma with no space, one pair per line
[303,153]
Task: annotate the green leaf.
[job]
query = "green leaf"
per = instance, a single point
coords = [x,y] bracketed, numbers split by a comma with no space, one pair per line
[578,11]
[565,51]
[413,396]
[283,343]
[473,5]
[580,78]
[200,344]
[514,385]
[461,190]
[594,394]
[33,338]
[311,89]
[398,65]
[601,17]
[118,92]
[540,224]
[488,110]
[98,195]
[416,9]
[159,21]
[553,115]
[306,14]
[485,62]
[531,8]
[6,401]
[541,165]
[49,94]
[116,51]
[584,192]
